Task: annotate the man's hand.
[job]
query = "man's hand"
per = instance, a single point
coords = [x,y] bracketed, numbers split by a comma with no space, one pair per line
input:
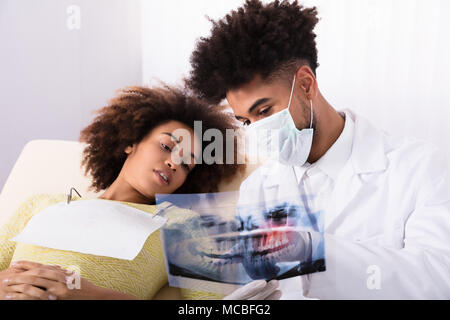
[256,290]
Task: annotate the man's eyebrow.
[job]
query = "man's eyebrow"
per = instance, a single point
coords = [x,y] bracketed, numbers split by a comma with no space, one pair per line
[257,103]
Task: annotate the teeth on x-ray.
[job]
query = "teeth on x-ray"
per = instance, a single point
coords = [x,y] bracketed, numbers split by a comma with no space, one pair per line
[255,243]
[284,238]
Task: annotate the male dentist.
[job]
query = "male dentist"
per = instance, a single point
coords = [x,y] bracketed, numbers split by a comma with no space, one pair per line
[386,201]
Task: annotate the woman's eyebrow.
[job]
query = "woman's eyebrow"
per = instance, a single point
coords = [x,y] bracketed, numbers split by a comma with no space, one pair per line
[172,136]
[177,141]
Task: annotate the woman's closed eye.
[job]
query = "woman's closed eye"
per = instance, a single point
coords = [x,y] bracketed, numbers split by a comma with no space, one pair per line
[169,149]
[185,166]
[165,147]
[186,163]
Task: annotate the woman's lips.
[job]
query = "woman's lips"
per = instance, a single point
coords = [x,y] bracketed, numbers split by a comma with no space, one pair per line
[160,178]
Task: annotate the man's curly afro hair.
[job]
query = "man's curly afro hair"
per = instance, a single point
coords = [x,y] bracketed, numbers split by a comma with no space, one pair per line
[256,39]
[130,117]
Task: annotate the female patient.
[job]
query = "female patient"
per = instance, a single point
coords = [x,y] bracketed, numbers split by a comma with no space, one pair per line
[128,154]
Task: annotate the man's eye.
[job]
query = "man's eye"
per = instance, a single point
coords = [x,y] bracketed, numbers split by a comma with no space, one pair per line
[185,166]
[264,111]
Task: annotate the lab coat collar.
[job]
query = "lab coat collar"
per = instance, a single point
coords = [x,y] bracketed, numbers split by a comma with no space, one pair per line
[368,154]
[337,156]
[369,150]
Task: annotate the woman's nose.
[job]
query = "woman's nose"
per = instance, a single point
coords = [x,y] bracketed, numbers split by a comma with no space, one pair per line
[171,166]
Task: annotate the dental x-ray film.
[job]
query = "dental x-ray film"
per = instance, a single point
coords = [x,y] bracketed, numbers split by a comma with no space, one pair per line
[214,242]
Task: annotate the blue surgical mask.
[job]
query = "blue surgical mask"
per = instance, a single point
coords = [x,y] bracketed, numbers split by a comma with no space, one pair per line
[280,139]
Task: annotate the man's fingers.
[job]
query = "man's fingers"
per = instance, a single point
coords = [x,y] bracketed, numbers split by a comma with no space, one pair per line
[247,291]
[257,290]
[32,291]
[270,288]
[274,296]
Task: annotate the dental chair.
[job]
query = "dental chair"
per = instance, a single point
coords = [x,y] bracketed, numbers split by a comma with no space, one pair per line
[54,167]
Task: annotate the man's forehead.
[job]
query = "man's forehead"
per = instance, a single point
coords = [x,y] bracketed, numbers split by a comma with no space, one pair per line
[244,103]
[251,87]
[254,90]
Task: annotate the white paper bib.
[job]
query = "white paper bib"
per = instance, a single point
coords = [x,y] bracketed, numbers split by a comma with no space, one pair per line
[98,227]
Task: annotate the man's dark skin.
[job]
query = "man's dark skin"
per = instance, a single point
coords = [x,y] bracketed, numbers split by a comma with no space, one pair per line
[259,99]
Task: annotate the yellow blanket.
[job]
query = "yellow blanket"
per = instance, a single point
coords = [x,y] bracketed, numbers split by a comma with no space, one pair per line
[142,277]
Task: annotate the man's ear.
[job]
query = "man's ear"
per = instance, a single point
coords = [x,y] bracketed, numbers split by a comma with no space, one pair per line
[307,81]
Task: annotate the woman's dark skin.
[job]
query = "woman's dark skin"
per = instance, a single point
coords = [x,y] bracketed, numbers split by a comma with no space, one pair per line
[138,182]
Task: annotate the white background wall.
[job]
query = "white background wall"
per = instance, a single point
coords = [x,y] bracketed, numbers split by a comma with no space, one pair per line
[52,77]
[389,60]
[386,59]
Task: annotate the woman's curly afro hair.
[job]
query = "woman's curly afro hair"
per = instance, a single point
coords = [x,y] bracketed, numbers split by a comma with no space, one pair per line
[130,117]
[254,40]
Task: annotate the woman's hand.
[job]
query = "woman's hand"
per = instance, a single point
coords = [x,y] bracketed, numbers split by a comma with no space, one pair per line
[52,282]
[8,292]
[4,274]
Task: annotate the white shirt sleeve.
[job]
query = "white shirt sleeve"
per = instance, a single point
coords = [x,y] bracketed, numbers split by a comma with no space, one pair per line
[419,270]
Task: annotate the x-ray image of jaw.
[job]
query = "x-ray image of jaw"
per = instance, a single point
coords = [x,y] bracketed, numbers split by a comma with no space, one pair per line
[286,241]
[207,240]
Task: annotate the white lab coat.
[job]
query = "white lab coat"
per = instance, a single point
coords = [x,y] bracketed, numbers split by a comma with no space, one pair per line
[389,216]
